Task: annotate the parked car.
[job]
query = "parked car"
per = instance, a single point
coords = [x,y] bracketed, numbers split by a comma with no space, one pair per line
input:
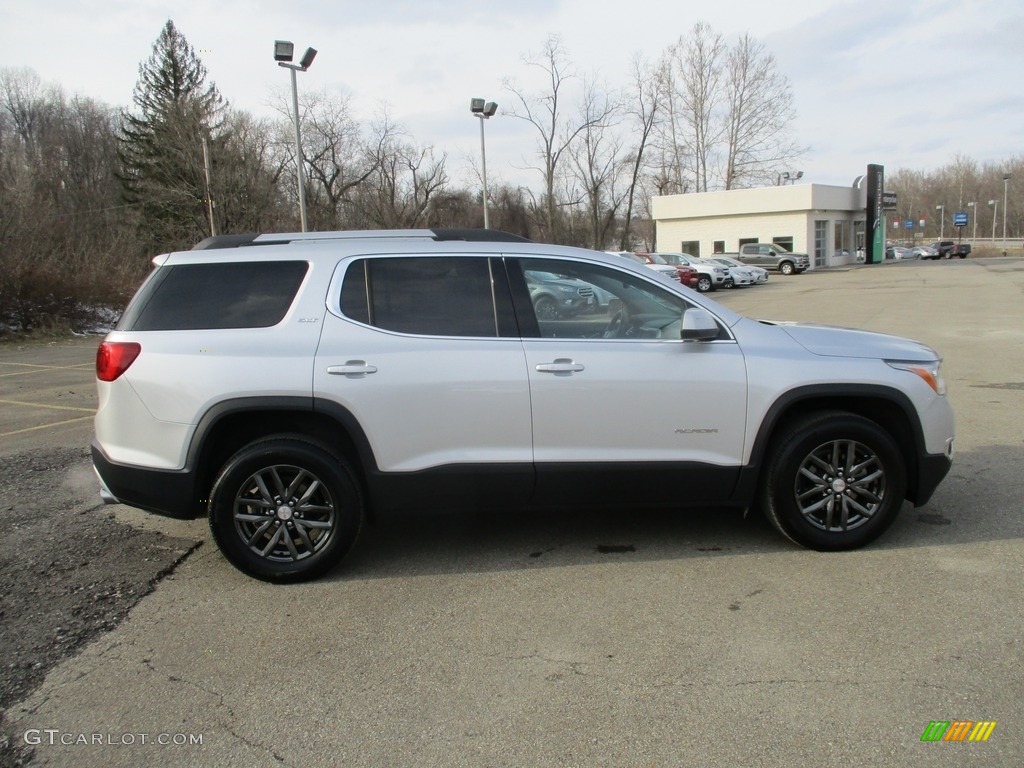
[556,296]
[710,276]
[758,275]
[660,267]
[772,256]
[686,274]
[290,387]
[949,248]
[925,252]
[899,253]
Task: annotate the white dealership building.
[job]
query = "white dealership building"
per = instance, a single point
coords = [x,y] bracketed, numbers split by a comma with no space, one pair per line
[825,222]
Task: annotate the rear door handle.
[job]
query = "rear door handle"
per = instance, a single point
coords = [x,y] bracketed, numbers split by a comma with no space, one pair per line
[563,366]
[353,369]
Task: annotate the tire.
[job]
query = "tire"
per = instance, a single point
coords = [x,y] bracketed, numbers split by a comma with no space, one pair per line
[810,493]
[786,268]
[704,284]
[285,510]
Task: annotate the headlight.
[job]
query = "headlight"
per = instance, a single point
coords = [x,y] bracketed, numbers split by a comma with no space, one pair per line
[929,371]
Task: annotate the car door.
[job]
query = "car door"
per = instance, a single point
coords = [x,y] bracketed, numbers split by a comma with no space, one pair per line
[623,409]
[756,256]
[423,353]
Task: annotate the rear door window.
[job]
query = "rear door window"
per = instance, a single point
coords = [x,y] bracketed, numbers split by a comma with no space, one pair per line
[429,295]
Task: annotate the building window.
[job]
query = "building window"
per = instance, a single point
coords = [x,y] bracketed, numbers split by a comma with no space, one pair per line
[841,242]
[719,246]
[820,243]
[691,247]
[747,241]
[784,242]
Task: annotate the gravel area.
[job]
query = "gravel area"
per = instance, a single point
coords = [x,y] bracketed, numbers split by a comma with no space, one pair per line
[68,571]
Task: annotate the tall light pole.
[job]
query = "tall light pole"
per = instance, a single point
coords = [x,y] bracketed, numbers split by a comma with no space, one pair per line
[284,51]
[974,235]
[995,215]
[484,111]
[1006,183]
[942,219]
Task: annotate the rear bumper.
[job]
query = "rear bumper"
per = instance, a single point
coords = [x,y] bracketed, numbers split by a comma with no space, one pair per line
[165,492]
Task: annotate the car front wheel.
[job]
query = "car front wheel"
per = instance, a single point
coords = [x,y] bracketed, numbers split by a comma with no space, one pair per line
[284,510]
[835,481]
[704,284]
[786,268]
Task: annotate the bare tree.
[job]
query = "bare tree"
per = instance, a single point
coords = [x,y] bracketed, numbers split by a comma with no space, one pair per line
[337,159]
[697,70]
[758,131]
[247,169]
[597,162]
[645,112]
[65,239]
[405,179]
[544,111]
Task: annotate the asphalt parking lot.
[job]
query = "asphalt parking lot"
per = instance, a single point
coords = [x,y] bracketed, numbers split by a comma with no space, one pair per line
[47,393]
[607,639]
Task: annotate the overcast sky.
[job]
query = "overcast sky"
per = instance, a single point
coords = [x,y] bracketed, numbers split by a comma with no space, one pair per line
[908,84]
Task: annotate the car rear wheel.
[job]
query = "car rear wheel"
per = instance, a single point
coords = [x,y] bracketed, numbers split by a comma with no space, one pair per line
[284,510]
[835,481]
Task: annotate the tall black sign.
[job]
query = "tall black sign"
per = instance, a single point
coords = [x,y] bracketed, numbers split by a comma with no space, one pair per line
[874,236]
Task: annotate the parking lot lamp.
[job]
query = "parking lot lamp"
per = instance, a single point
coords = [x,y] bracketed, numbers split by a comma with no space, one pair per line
[283,54]
[1006,184]
[942,219]
[974,215]
[484,111]
[995,214]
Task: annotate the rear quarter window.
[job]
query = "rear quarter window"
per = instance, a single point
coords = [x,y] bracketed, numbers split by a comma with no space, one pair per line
[180,297]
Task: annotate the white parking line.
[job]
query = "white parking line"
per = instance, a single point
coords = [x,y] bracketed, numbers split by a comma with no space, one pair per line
[44,405]
[44,426]
[43,368]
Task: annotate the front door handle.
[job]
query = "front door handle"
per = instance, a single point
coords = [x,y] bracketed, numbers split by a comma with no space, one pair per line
[353,369]
[563,366]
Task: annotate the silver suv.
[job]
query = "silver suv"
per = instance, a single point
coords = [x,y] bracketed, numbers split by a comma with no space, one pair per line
[292,386]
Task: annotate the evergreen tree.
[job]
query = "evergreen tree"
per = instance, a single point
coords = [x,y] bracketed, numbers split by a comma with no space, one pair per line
[161,143]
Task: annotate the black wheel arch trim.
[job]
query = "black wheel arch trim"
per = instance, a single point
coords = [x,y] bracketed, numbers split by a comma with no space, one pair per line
[281,406]
[924,470]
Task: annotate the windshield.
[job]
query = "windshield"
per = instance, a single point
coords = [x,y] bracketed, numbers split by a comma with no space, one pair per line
[675,259]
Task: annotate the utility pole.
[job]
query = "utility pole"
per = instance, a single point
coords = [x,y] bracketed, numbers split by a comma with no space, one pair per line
[209,192]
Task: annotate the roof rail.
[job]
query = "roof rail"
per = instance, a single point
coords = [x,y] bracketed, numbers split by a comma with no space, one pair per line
[440,234]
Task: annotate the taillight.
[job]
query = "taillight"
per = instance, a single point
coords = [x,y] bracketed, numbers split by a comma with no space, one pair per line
[114,357]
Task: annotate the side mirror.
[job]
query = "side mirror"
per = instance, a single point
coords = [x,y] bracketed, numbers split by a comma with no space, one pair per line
[698,325]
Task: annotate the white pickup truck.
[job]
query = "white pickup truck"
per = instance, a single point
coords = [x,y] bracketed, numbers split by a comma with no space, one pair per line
[772,256]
